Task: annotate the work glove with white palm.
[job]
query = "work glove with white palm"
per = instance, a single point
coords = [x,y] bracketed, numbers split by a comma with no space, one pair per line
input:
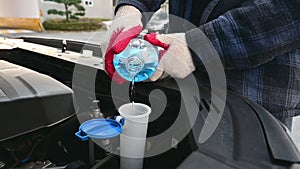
[175,59]
[126,25]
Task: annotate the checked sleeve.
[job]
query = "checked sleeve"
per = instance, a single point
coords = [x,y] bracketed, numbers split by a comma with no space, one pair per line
[251,35]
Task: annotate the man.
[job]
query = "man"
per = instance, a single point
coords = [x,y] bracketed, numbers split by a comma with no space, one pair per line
[257,41]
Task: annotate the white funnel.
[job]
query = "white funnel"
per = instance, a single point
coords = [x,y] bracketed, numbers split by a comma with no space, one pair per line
[133,137]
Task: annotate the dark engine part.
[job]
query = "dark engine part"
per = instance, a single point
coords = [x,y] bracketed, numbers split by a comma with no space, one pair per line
[35,113]
[30,101]
[247,136]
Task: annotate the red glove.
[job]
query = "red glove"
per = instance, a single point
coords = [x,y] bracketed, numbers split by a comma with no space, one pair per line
[175,59]
[118,42]
[154,41]
[125,26]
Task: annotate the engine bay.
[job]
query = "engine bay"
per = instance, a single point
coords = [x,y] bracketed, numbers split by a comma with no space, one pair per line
[47,93]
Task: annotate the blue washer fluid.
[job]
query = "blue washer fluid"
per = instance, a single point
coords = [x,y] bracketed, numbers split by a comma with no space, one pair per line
[138,61]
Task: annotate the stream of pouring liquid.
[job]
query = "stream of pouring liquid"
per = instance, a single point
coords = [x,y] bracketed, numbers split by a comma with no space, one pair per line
[132,93]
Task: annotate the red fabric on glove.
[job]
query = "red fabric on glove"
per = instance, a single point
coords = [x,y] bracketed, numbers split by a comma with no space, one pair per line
[151,38]
[154,41]
[118,42]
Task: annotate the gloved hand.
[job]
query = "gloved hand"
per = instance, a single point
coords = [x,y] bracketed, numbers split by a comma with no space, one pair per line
[125,26]
[175,59]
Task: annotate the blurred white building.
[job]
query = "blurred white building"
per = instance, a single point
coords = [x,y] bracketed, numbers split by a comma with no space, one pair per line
[93,8]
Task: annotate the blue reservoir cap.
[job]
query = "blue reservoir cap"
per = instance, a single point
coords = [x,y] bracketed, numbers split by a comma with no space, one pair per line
[99,129]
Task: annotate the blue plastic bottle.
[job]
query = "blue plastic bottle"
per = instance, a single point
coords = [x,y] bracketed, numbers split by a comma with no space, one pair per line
[138,61]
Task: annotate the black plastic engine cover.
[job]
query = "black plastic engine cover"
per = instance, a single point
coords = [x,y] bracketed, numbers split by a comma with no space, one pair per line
[30,100]
[247,135]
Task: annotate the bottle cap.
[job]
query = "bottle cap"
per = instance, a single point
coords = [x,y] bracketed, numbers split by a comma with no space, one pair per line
[99,129]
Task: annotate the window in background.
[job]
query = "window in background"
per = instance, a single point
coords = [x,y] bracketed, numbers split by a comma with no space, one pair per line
[89,3]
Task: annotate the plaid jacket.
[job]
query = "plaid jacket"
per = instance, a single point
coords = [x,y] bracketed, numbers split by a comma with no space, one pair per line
[258,42]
